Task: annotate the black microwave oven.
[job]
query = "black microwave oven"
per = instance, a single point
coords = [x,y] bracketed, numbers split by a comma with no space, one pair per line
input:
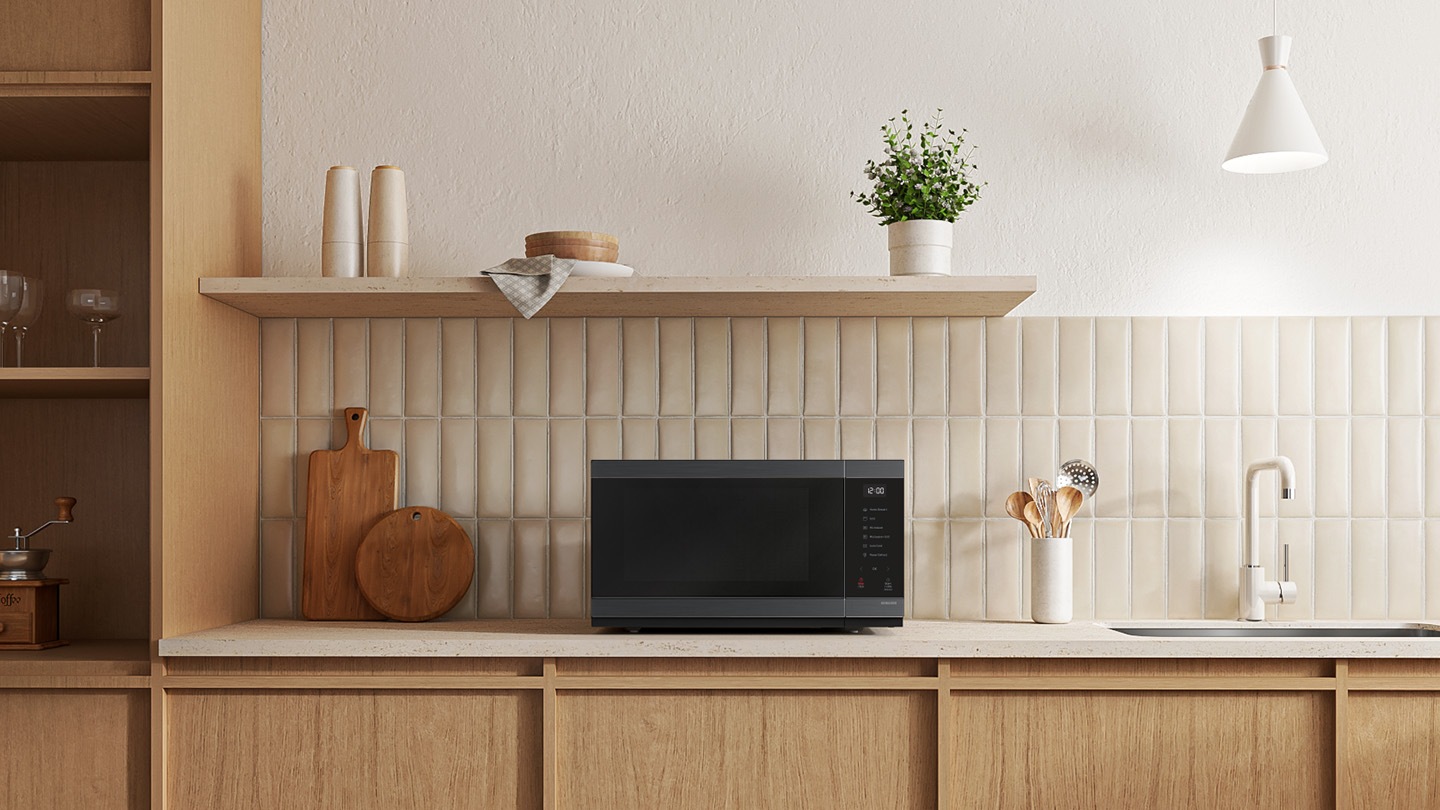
[746,544]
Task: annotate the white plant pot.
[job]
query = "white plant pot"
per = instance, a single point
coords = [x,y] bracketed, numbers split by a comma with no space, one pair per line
[1052,597]
[920,247]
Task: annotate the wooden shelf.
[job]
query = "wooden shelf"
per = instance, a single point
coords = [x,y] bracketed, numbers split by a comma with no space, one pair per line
[91,659]
[740,296]
[74,383]
[75,115]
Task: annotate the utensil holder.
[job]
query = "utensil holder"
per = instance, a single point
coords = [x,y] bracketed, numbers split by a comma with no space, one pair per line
[1052,588]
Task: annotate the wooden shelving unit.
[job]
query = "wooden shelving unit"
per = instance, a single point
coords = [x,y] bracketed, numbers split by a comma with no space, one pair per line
[75,115]
[74,383]
[84,658]
[639,296]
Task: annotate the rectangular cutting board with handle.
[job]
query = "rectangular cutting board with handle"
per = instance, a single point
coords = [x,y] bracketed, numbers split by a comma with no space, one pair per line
[350,489]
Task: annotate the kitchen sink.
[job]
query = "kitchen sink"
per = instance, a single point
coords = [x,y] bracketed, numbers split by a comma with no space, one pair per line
[1270,631]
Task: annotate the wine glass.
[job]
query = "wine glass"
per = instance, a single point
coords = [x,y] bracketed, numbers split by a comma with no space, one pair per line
[30,305]
[12,295]
[95,307]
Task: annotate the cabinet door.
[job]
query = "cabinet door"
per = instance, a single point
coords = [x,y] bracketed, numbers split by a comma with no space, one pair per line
[1393,749]
[72,748]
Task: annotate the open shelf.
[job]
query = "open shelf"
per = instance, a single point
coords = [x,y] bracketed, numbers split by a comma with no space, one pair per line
[75,115]
[739,296]
[94,658]
[74,383]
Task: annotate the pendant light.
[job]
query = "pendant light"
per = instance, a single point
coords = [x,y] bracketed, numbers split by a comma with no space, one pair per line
[1276,134]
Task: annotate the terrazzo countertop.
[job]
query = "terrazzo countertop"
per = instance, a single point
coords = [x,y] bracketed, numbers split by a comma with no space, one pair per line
[573,638]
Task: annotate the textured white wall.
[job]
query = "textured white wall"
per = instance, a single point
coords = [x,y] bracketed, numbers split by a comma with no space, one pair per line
[723,138]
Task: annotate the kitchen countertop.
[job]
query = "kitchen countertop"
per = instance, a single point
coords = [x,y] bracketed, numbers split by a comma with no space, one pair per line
[574,638]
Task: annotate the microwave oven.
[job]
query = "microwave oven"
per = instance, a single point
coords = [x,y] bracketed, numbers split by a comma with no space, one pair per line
[747,544]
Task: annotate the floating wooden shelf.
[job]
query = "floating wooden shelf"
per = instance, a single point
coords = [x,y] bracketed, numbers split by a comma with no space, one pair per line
[99,663]
[74,383]
[74,115]
[740,296]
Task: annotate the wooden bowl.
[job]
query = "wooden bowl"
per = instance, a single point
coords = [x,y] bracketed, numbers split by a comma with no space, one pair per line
[547,237]
[584,253]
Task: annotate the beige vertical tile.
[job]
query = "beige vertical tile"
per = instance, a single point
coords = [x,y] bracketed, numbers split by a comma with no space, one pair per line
[458,484]
[1186,374]
[277,367]
[1186,459]
[930,470]
[277,569]
[1431,364]
[1332,366]
[1147,468]
[1222,569]
[821,367]
[967,570]
[1222,468]
[494,468]
[1002,464]
[1148,569]
[857,366]
[1257,366]
[1185,569]
[1432,468]
[567,570]
[928,340]
[928,586]
[1004,572]
[822,439]
[1297,366]
[457,366]
[1432,570]
[311,435]
[784,438]
[712,438]
[1405,455]
[1405,545]
[1257,441]
[1076,366]
[892,440]
[639,439]
[1002,367]
[1299,535]
[677,366]
[857,438]
[567,367]
[312,367]
[1112,462]
[422,463]
[1037,449]
[966,497]
[1405,349]
[1147,366]
[495,349]
[466,608]
[350,363]
[1367,366]
[422,367]
[532,569]
[1112,366]
[747,366]
[602,442]
[388,434]
[712,366]
[493,567]
[676,437]
[277,468]
[967,366]
[1222,366]
[1332,467]
[1368,569]
[1332,569]
[1077,439]
[387,367]
[532,373]
[1037,366]
[567,468]
[785,342]
[1112,569]
[1294,439]
[892,366]
[639,367]
[747,438]
[1367,468]
[602,366]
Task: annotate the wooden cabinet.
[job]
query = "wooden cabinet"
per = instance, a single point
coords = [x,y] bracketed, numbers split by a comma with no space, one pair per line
[43,766]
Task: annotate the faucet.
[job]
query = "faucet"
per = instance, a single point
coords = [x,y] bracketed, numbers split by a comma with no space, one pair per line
[1255,590]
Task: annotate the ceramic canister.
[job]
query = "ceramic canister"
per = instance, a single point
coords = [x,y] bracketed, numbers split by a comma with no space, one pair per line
[1052,599]
[342,243]
[389,242]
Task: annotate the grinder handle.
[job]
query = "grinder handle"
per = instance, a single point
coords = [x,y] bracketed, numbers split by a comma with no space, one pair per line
[65,505]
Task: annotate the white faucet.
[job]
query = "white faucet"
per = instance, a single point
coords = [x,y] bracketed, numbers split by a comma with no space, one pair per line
[1255,590]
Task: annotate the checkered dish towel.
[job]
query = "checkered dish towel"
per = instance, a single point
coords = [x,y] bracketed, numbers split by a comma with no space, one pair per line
[530,283]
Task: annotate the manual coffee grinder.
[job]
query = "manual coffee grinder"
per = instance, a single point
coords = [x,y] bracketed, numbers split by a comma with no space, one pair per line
[30,603]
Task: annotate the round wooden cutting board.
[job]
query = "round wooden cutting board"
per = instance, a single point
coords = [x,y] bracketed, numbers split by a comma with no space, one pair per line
[415,564]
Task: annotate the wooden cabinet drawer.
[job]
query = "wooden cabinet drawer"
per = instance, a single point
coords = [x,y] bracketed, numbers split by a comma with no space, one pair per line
[17,628]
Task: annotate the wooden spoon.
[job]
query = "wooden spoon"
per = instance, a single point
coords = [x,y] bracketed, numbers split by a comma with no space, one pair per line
[1032,516]
[1067,503]
[1015,508]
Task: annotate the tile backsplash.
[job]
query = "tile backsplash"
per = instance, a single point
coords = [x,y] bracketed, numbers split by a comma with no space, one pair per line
[496,420]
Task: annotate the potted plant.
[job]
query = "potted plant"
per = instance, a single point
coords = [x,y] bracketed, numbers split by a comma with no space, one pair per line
[920,188]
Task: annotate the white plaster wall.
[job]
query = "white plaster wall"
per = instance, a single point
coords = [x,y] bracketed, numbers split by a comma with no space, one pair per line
[723,138]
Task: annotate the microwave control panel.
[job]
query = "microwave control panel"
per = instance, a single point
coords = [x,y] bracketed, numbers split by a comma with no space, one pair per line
[875,536]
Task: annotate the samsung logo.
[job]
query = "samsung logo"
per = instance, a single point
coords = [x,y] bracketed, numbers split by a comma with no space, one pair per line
[892,602]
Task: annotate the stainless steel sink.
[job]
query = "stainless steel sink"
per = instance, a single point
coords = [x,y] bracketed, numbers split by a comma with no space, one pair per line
[1269,631]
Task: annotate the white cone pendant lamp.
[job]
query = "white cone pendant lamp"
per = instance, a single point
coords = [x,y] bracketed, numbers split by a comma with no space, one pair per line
[1276,134]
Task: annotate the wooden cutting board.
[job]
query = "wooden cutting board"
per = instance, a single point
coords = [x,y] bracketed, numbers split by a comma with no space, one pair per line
[349,490]
[415,564]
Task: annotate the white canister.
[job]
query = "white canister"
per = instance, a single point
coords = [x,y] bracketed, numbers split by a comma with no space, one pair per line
[920,247]
[1052,587]
[389,242]
[342,243]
